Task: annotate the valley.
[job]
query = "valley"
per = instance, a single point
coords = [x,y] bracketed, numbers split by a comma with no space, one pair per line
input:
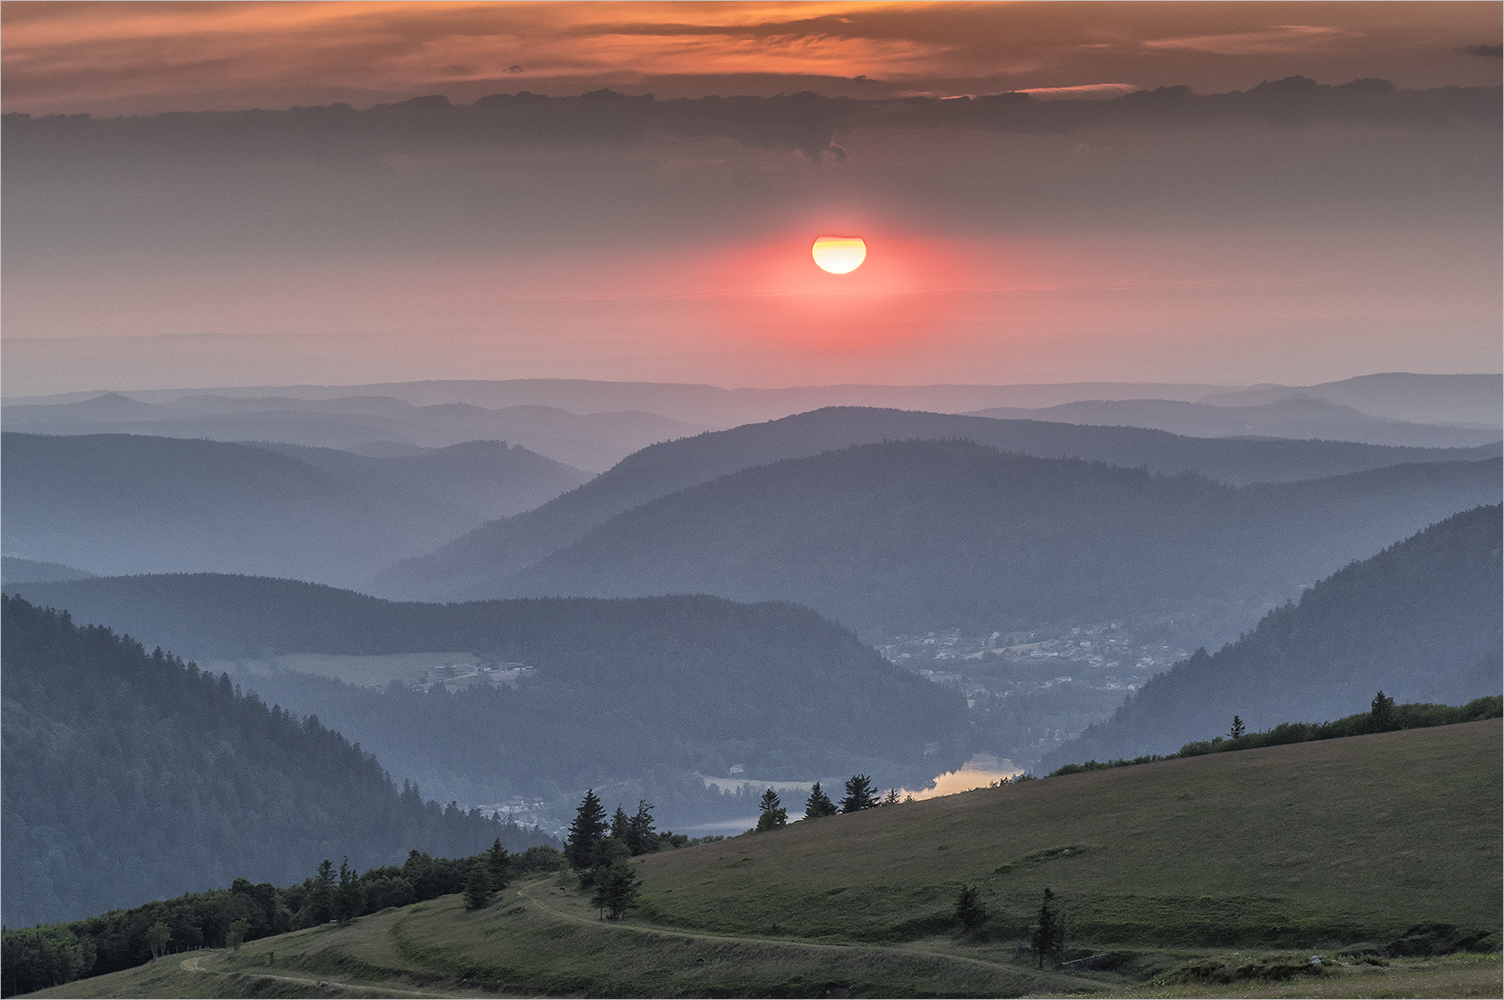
[936,614]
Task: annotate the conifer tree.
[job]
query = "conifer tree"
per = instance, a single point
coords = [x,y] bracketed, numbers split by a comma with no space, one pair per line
[818,804]
[500,864]
[642,838]
[621,828]
[773,814]
[859,794]
[1049,931]
[1237,730]
[321,901]
[478,885]
[586,832]
[347,896]
[969,909]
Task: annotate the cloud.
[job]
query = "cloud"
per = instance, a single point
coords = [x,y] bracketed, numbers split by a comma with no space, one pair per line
[1492,51]
[144,58]
[1081,90]
[1276,40]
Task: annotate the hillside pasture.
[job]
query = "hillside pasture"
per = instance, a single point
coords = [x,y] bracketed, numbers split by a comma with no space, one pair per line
[1221,875]
[1337,842]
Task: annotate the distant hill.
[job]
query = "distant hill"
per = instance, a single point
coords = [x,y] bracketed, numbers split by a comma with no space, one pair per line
[354,421]
[620,688]
[1421,621]
[118,503]
[16,570]
[1295,416]
[471,566]
[1455,399]
[129,776]
[482,479]
[1431,399]
[921,535]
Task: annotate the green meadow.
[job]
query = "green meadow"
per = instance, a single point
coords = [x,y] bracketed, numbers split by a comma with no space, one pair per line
[1217,875]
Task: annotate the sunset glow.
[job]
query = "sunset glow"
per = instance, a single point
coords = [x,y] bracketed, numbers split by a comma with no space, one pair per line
[141,58]
[633,190]
[839,254]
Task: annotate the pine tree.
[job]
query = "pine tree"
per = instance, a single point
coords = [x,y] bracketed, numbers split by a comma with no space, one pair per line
[773,814]
[500,864]
[621,828]
[347,896]
[969,909]
[818,804]
[642,838]
[478,885]
[859,794]
[1381,711]
[1049,931]
[1237,730]
[321,900]
[586,832]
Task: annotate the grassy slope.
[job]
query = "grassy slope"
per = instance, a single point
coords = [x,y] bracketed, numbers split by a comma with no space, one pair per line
[1308,846]
[1342,840]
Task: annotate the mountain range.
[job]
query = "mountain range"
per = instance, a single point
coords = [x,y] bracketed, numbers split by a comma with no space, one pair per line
[119,503]
[473,566]
[594,417]
[912,536]
[368,424]
[1297,416]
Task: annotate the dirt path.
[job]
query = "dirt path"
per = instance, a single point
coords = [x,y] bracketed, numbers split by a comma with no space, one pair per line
[526,892]
[195,965]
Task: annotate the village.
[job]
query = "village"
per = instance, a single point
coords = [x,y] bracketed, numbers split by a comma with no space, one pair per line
[1111,656]
[455,676]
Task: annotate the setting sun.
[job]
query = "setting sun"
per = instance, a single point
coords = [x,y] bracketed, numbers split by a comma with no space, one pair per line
[839,254]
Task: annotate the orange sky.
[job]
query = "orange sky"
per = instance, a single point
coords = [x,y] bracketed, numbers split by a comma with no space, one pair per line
[1211,248]
[150,57]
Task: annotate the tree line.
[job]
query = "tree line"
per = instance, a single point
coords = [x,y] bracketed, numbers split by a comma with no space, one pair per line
[598,850]
[1383,716]
[50,955]
[860,795]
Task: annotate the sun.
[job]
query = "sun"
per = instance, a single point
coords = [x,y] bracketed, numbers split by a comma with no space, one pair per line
[839,254]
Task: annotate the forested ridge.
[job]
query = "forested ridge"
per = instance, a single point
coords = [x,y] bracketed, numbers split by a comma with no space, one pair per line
[130,776]
[912,536]
[1421,620]
[647,689]
[475,565]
